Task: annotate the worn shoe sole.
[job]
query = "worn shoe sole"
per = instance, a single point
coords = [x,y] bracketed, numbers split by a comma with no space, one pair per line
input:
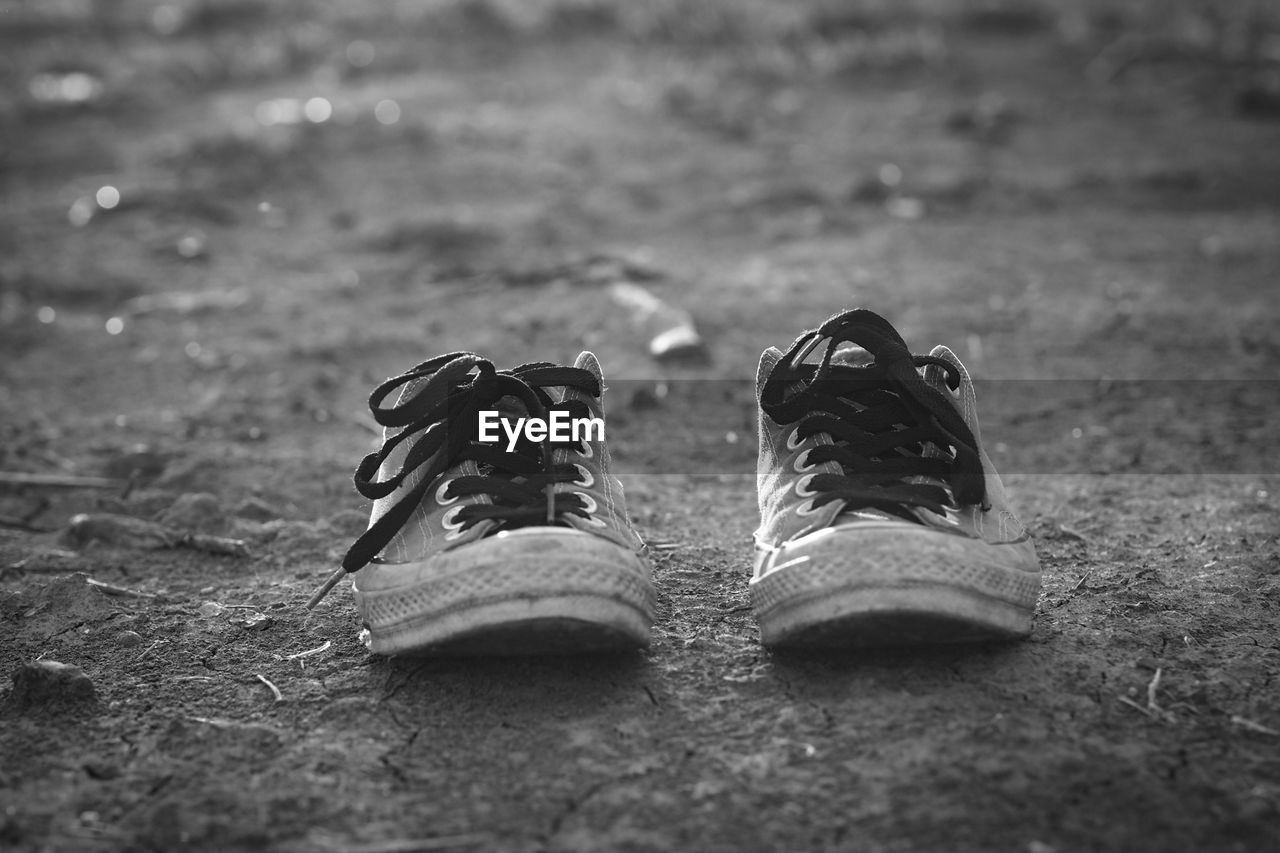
[890,584]
[534,591]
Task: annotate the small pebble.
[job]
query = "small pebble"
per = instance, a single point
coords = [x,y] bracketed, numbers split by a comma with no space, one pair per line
[128,639]
[256,621]
[101,770]
[256,509]
[47,685]
[210,609]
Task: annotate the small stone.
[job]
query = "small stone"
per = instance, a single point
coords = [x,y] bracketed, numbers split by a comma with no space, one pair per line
[193,245]
[101,770]
[140,462]
[256,621]
[255,509]
[128,639]
[210,609]
[48,686]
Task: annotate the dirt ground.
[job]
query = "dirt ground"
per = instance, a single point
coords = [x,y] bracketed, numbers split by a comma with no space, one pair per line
[223,222]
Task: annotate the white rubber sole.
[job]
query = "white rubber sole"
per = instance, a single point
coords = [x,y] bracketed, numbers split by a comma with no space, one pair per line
[890,586]
[554,602]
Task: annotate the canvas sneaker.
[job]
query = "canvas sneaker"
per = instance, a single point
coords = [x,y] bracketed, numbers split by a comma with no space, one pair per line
[477,547]
[882,520]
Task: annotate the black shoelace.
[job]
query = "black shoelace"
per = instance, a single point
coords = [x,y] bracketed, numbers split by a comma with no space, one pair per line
[881,417]
[440,418]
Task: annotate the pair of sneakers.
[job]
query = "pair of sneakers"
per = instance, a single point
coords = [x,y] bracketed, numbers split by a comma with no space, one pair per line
[882,520]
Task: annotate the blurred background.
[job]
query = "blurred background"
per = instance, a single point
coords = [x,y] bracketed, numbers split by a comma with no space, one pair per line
[227,218]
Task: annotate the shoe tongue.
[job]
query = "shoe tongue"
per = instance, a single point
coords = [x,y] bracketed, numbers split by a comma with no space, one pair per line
[587,361]
[768,361]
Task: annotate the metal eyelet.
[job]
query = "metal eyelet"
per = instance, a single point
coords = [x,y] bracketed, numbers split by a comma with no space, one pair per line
[448,521]
[441,499]
[586,480]
[803,486]
[807,508]
[794,440]
[592,507]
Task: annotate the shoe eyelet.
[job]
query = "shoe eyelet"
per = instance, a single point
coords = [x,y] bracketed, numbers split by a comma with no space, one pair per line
[448,522]
[441,499]
[588,452]
[807,508]
[592,507]
[803,486]
[585,480]
[802,467]
[794,440]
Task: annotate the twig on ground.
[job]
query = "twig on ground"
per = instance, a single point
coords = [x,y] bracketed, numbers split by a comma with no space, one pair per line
[1130,50]
[148,650]
[419,845]
[56,481]
[129,486]
[1072,533]
[101,835]
[1152,687]
[1152,709]
[1080,582]
[215,544]
[126,531]
[112,589]
[309,652]
[275,690]
[1250,725]
[43,561]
